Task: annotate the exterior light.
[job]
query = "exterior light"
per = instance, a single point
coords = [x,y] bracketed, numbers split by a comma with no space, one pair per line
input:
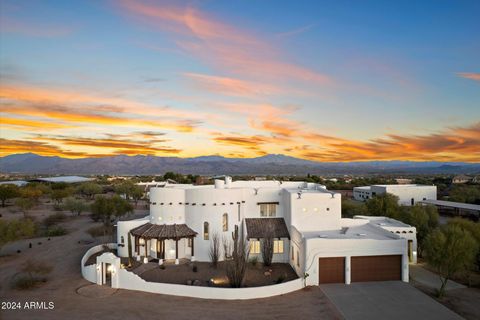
[141,241]
[304,209]
[110,269]
[160,218]
[315,209]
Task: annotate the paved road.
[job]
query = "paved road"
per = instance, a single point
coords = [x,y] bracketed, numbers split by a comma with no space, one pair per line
[385,300]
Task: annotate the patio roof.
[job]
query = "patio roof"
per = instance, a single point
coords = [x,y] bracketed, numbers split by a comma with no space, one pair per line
[163,231]
[258,227]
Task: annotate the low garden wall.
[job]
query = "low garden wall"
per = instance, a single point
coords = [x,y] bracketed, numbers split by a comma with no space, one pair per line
[124,279]
[90,272]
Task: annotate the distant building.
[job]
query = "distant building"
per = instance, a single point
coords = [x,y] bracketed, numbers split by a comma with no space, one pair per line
[403,181]
[408,194]
[461,179]
[63,179]
[18,183]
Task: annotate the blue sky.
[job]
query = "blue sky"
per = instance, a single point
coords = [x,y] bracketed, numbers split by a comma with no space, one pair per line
[327,81]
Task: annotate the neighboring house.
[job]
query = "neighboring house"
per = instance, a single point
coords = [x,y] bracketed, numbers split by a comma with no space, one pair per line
[408,194]
[308,230]
[461,179]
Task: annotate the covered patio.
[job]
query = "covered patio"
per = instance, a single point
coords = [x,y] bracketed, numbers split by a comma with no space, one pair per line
[162,237]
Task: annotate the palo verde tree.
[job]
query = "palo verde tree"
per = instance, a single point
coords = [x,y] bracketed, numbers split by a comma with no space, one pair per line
[75,206]
[8,191]
[450,250]
[105,209]
[383,205]
[13,230]
[423,218]
[89,189]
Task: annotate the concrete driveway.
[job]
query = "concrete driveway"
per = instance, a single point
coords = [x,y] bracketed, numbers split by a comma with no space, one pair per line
[385,300]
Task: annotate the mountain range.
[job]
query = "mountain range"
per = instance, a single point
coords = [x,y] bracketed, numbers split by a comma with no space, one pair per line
[277,164]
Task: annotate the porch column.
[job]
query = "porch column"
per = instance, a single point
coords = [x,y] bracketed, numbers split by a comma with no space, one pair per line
[160,252]
[193,252]
[137,248]
[176,251]
[145,243]
[348,268]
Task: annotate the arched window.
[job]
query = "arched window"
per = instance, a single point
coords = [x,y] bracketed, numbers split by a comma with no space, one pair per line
[122,240]
[205,230]
[225,222]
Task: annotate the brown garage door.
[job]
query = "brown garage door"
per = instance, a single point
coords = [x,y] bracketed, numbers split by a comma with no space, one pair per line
[376,268]
[331,270]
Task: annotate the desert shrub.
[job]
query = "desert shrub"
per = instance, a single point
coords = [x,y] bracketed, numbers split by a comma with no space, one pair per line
[214,252]
[54,219]
[280,279]
[55,231]
[254,260]
[195,268]
[162,266]
[100,231]
[32,273]
[26,283]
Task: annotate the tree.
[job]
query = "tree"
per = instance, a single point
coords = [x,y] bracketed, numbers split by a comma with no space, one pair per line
[474,230]
[137,194]
[105,208]
[57,195]
[75,206]
[351,208]
[24,204]
[89,189]
[449,250]
[383,205]
[13,230]
[423,218]
[32,192]
[465,193]
[267,246]
[236,258]
[214,252]
[8,191]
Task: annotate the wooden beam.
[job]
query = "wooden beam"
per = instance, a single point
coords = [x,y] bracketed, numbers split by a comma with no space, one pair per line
[192,239]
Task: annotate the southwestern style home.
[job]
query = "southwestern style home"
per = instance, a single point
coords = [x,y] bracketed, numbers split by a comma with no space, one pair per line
[304,219]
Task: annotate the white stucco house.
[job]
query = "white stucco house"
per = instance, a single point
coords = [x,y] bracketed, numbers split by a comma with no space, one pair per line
[408,194]
[308,229]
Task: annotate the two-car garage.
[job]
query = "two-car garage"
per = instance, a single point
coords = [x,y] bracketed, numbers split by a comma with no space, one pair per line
[362,268]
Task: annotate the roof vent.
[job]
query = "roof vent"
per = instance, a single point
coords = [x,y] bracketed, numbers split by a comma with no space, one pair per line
[361,234]
[322,236]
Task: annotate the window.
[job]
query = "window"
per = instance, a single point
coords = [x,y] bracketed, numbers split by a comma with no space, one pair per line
[268,209]
[122,239]
[225,222]
[205,231]
[278,246]
[254,246]
[293,254]
[298,259]
[189,242]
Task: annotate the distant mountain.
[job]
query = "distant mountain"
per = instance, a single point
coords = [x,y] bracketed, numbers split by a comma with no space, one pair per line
[213,165]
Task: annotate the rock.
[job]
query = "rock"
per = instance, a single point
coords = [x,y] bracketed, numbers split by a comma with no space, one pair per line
[189,282]
[267,273]
[196,282]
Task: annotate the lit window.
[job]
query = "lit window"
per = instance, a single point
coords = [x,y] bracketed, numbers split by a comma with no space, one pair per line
[205,231]
[268,209]
[225,222]
[254,246]
[278,246]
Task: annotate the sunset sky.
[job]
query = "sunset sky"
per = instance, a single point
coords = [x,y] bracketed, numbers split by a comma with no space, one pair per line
[320,80]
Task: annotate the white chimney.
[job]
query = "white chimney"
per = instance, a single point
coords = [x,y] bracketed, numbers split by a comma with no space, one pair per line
[219,184]
[228,182]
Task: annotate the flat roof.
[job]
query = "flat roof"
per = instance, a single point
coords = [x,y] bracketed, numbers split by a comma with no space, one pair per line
[403,185]
[18,183]
[66,179]
[451,204]
[384,221]
[364,231]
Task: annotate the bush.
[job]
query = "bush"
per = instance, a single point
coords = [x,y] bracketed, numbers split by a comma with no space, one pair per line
[100,231]
[162,266]
[26,282]
[56,231]
[195,268]
[54,219]
[280,279]
[254,261]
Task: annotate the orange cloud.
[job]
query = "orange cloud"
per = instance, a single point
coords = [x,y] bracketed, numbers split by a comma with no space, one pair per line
[32,124]
[8,146]
[83,108]
[469,75]
[220,43]
[231,86]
